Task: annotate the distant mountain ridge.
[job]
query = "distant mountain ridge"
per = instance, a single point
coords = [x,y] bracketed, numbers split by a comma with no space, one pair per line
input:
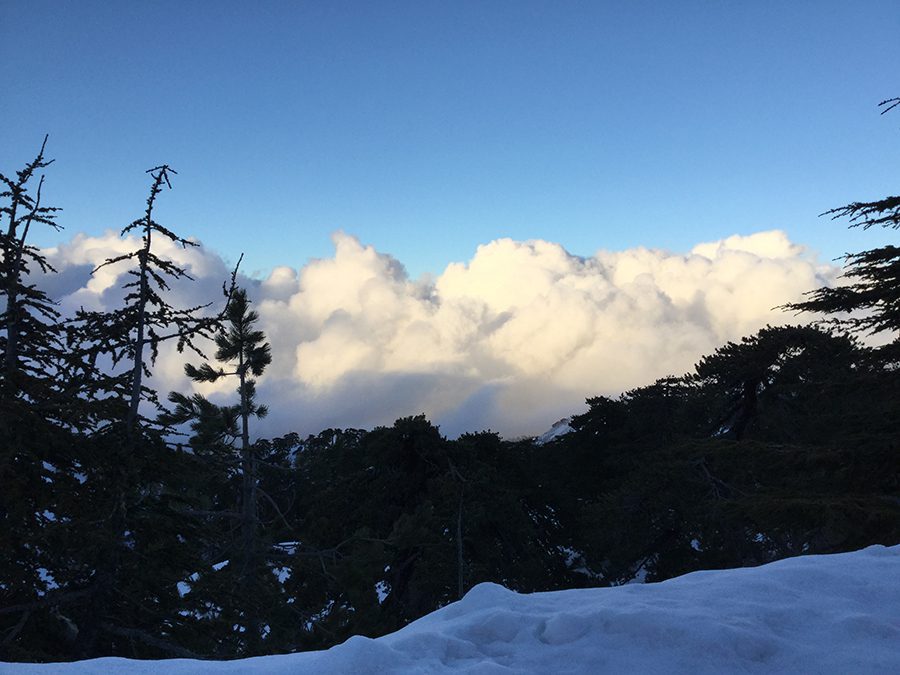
[559,428]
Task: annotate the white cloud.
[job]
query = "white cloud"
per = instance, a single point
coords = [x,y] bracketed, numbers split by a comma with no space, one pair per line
[511,340]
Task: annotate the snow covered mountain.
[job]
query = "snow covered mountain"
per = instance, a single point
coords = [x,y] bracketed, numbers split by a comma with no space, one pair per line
[559,428]
[812,614]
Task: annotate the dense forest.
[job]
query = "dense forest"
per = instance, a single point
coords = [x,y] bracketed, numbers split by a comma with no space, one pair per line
[151,524]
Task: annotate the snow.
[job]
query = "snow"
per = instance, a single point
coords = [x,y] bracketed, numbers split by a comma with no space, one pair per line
[559,428]
[811,614]
[576,562]
[185,587]
[51,469]
[282,574]
[288,546]
[640,574]
[382,590]
[49,582]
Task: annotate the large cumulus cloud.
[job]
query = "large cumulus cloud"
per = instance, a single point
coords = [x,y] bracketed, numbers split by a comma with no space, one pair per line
[511,340]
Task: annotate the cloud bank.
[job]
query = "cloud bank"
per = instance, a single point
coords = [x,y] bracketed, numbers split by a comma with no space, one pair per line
[511,340]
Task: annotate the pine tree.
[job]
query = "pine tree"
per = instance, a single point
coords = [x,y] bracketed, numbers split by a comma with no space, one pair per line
[242,346]
[32,345]
[38,414]
[134,333]
[135,487]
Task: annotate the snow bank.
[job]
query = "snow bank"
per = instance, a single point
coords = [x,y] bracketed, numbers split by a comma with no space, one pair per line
[812,614]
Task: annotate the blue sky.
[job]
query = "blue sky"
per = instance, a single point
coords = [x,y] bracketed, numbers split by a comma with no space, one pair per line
[429,128]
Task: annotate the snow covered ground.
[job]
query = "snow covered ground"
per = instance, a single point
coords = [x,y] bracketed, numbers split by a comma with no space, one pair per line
[812,614]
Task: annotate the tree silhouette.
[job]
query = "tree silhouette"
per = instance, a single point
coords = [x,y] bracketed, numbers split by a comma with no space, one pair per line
[134,333]
[36,411]
[32,346]
[243,347]
[133,477]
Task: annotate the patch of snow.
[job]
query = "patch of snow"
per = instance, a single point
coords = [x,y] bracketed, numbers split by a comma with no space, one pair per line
[640,574]
[576,562]
[289,547]
[184,587]
[282,573]
[319,616]
[559,428]
[570,553]
[210,612]
[51,469]
[813,614]
[382,589]
[49,582]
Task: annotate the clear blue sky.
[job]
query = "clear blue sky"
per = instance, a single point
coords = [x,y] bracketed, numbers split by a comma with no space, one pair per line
[426,128]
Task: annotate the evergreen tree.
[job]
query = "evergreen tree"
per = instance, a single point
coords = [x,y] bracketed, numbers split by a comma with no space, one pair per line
[133,334]
[135,490]
[31,344]
[758,386]
[780,444]
[240,345]
[38,416]
[405,520]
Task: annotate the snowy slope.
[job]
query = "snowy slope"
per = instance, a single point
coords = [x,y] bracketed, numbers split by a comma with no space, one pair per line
[559,428]
[812,614]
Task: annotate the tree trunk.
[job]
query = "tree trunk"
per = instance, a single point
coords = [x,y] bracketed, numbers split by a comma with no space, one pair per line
[137,371]
[248,518]
[106,576]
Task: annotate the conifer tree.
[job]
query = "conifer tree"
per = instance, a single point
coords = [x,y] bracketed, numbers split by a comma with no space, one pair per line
[31,345]
[37,416]
[751,382]
[135,486]
[241,346]
[134,333]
